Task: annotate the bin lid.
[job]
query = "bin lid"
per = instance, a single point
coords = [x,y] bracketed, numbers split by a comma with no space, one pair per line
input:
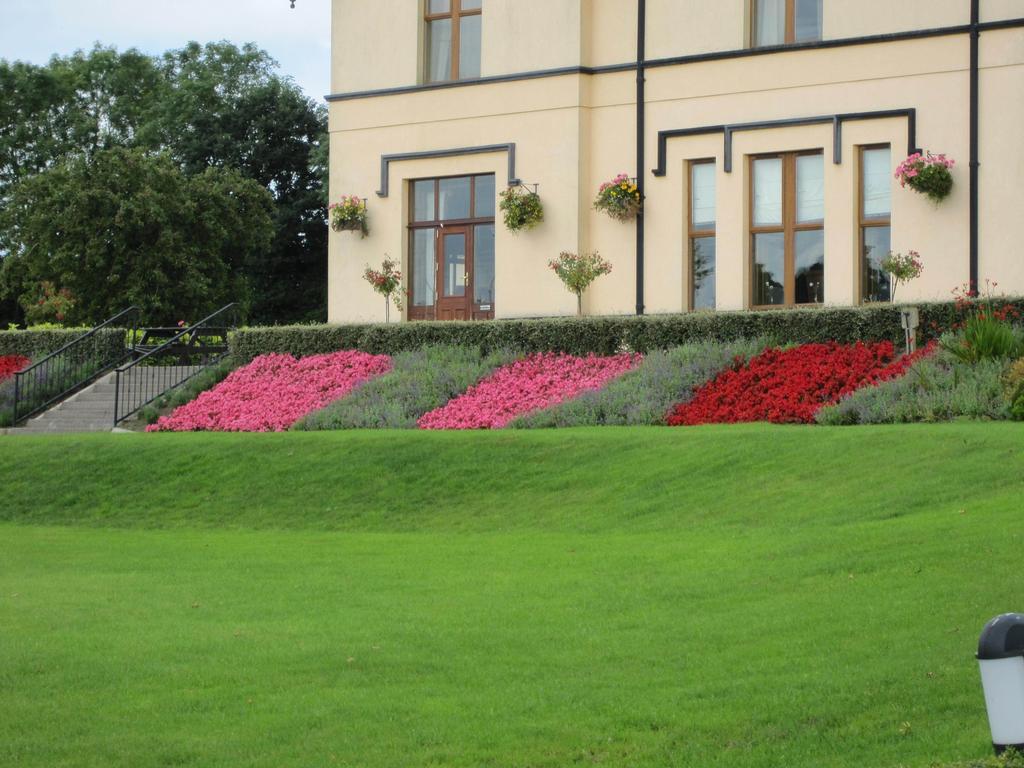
[1002,638]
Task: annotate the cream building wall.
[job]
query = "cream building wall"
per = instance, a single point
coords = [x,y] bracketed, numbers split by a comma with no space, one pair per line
[575,130]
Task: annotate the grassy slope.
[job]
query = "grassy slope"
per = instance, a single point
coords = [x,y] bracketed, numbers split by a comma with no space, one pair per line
[746,596]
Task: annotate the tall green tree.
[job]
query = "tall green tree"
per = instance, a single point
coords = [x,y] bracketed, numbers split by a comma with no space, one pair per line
[129,227]
[209,106]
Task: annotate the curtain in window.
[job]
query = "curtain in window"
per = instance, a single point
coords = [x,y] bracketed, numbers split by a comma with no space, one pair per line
[770,20]
[768,192]
[703,194]
[810,189]
[439,48]
[877,183]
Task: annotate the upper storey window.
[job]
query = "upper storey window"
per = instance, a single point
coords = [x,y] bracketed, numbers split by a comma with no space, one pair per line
[778,22]
[452,40]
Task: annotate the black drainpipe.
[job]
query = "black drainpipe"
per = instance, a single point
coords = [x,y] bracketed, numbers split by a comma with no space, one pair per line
[975,130]
[641,62]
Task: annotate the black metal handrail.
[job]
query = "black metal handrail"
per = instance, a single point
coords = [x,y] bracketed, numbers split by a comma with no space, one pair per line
[143,380]
[68,369]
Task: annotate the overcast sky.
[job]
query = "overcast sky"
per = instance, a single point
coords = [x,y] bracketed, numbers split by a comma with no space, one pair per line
[300,39]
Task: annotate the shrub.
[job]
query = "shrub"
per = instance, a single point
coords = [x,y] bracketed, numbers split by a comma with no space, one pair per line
[606,335]
[535,382]
[935,388]
[419,382]
[1014,388]
[107,344]
[1010,759]
[273,392]
[644,395]
[789,386]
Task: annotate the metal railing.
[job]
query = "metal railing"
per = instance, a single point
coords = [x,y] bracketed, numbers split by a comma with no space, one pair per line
[195,348]
[70,368]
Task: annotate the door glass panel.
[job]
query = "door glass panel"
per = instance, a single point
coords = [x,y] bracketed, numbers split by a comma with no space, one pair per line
[484,197]
[472,5]
[768,192]
[483,264]
[454,195]
[810,266]
[439,50]
[876,186]
[877,245]
[423,267]
[703,254]
[702,181]
[810,189]
[769,269]
[469,47]
[807,24]
[423,200]
[770,20]
[454,267]
[440,6]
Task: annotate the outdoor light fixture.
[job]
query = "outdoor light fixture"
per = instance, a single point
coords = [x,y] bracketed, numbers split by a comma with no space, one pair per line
[1001,657]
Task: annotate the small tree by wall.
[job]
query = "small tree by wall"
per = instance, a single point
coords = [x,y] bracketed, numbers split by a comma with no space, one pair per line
[578,271]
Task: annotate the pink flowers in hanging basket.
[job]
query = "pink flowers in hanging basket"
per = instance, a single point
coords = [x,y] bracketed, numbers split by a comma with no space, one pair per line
[273,392]
[928,174]
[535,382]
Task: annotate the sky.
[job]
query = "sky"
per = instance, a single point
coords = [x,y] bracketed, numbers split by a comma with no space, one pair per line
[299,39]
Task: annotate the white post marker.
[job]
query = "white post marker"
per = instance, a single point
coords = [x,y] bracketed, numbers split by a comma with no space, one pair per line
[1001,658]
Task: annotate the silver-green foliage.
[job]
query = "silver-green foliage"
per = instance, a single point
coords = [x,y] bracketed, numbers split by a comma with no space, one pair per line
[420,381]
[935,388]
[645,395]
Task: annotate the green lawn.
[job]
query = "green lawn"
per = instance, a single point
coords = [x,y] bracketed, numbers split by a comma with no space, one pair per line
[733,596]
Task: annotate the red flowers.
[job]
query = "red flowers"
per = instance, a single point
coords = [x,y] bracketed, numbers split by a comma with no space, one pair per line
[273,392]
[11,364]
[790,386]
[535,382]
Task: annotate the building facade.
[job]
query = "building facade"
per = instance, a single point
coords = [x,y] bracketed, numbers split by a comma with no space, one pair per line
[764,135]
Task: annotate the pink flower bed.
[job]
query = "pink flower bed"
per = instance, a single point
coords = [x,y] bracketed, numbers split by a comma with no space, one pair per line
[538,381]
[273,392]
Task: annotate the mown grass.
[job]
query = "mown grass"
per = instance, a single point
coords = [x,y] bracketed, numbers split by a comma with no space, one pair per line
[744,596]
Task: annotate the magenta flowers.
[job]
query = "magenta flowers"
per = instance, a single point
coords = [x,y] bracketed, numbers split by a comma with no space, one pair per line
[273,392]
[527,385]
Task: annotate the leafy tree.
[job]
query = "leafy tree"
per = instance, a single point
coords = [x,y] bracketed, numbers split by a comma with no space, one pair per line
[217,106]
[128,227]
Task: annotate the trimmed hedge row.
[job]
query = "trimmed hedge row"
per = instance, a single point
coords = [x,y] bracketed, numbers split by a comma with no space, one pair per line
[604,335]
[108,343]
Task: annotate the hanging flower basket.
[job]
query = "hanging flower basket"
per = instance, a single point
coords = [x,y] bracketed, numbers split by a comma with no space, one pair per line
[522,209]
[928,174]
[349,215]
[619,198]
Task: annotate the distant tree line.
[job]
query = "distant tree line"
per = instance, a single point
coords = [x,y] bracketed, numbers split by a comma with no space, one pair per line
[178,183]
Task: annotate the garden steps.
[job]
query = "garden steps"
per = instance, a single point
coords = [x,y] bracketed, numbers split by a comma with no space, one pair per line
[92,409]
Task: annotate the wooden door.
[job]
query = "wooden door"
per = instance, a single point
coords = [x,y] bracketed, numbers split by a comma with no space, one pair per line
[454,272]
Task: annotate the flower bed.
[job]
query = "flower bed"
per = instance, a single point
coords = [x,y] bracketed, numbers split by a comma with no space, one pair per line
[273,392]
[790,386]
[535,382]
[11,364]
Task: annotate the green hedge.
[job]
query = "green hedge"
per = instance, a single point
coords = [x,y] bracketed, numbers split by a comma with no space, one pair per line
[107,343]
[603,335]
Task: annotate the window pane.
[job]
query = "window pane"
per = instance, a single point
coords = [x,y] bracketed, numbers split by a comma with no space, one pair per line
[770,21]
[769,269]
[454,198]
[768,192]
[423,200]
[472,5]
[439,50]
[875,285]
[439,6]
[469,47]
[454,265]
[810,188]
[810,266]
[702,190]
[484,197]
[702,251]
[876,183]
[423,268]
[808,21]
[483,264]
